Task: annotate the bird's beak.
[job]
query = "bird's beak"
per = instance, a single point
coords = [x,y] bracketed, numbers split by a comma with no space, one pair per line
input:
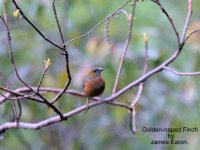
[100,69]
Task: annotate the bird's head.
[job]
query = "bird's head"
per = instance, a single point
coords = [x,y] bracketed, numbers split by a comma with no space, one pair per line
[96,72]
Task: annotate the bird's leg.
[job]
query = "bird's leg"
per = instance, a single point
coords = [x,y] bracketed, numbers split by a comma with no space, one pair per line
[87,102]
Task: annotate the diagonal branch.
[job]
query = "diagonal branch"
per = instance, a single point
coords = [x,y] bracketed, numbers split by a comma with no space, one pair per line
[39,32]
[169,18]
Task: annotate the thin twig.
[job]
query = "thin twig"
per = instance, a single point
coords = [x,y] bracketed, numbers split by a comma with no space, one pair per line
[107,24]
[66,55]
[182,73]
[125,49]
[57,22]
[9,93]
[169,18]
[9,96]
[20,111]
[189,14]
[192,33]
[14,110]
[141,87]
[41,79]
[107,36]
[133,120]
[99,24]
[68,82]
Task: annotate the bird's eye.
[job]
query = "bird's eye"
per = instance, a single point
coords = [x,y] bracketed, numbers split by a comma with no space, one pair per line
[95,71]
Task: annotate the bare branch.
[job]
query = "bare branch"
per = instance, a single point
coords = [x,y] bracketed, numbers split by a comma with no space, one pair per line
[125,49]
[182,73]
[67,84]
[169,18]
[189,14]
[141,87]
[16,96]
[41,79]
[48,121]
[57,21]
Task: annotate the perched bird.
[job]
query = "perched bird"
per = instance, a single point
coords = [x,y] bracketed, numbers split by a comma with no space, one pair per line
[94,84]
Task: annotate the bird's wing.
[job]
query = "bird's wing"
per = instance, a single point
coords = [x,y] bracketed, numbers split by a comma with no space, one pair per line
[83,83]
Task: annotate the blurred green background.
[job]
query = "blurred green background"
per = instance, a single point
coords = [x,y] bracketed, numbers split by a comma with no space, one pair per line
[168,100]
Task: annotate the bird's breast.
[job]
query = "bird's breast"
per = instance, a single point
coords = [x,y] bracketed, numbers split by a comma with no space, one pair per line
[94,87]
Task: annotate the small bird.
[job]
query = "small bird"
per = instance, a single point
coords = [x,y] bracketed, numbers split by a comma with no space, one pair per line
[94,84]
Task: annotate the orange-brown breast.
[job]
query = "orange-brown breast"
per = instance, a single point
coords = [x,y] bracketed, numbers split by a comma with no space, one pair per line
[94,87]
